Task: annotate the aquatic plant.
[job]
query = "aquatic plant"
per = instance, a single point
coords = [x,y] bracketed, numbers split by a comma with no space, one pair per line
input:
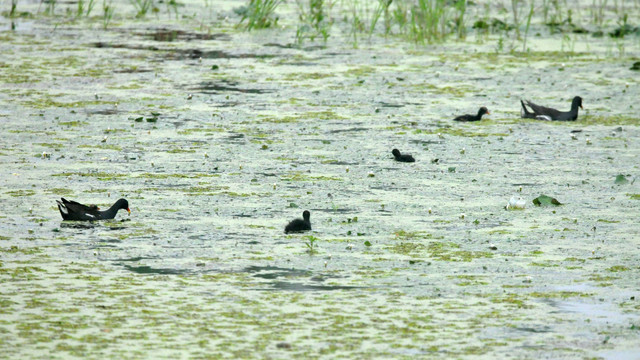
[107,13]
[172,5]
[460,8]
[315,20]
[14,5]
[51,7]
[383,8]
[142,7]
[84,11]
[597,11]
[526,29]
[310,243]
[259,14]
[428,21]
[516,6]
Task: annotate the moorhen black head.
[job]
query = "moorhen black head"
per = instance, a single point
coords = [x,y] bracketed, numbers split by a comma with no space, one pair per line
[468,117]
[545,113]
[402,157]
[299,225]
[71,210]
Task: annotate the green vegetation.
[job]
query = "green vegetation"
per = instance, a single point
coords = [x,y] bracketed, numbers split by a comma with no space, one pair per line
[259,14]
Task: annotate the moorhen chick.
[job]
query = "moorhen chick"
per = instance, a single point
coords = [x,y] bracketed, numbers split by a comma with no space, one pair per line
[483,110]
[402,157]
[299,225]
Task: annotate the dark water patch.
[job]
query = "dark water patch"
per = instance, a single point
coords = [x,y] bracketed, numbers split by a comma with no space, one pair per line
[289,286]
[112,111]
[234,139]
[105,45]
[168,35]
[144,269]
[535,330]
[389,105]
[133,259]
[181,54]
[323,277]
[314,48]
[274,272]
[243,215]
[387,187]
[337,211]
[425,142]
[216,87]
[483,224]
[101,242]
[342,163]
[78,225]
[295,46]
[287,46]
[300,63]
[226,104]
[132,70]
[352,129]
[481,79]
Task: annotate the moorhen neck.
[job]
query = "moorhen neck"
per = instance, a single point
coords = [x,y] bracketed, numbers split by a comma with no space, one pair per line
[545,113]
[299,225]
[71,210]
[402,157]
[483,110]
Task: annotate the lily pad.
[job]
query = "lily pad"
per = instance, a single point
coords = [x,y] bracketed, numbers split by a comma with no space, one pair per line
[621,180]
[544,200]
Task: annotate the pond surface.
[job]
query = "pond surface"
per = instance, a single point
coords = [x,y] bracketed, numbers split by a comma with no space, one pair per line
[219,137]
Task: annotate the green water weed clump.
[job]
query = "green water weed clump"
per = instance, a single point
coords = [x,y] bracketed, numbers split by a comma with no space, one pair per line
[259,14]
[315,20]
[142,7]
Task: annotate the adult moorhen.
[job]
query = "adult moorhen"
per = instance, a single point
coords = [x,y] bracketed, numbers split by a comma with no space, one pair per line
[545,113]
[483,110]
[299,225]
[402,157]
[71,210]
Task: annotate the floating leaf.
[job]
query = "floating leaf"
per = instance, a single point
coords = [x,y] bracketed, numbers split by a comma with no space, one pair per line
[293,205]
[367,243]
[621,180]
[544,200]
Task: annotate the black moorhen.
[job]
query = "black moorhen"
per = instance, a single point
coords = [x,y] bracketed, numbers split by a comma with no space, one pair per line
[545,113]
[402,157]
[299,225]
[483,110]
[71,210]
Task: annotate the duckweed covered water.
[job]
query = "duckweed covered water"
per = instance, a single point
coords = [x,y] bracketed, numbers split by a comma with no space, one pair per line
[219,137]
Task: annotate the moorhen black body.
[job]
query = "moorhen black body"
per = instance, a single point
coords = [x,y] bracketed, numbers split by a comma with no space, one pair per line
[71,210]
[483,110]
[299,225]
[402,157]
[545,113]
